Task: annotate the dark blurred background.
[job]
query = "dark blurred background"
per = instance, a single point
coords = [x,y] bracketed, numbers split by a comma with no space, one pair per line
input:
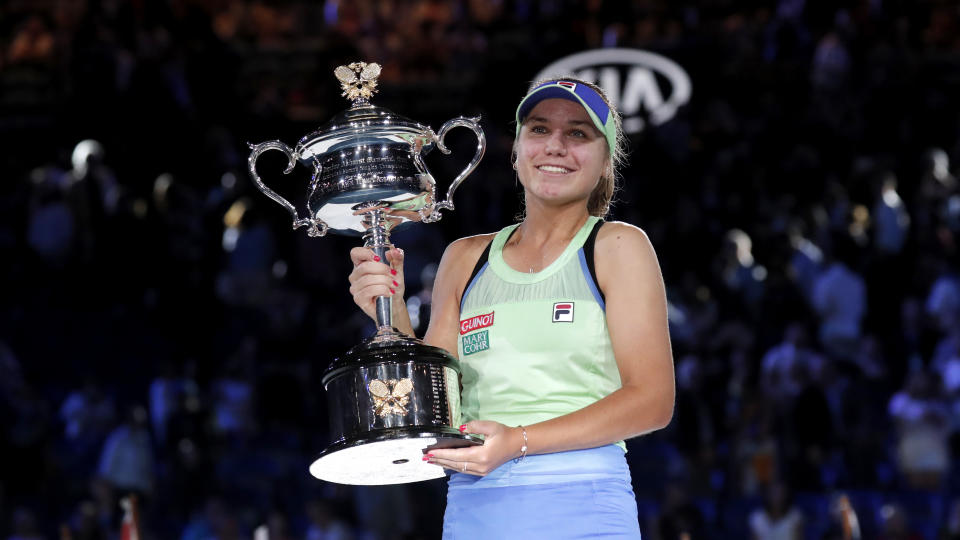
[163,331]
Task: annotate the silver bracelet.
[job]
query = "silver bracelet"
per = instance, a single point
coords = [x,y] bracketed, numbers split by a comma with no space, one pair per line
[523,449]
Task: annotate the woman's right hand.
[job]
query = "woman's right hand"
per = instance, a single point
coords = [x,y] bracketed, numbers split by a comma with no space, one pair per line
[372,277]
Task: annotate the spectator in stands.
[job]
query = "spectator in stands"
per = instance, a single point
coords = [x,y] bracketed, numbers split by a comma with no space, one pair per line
[95,197]
[695,429]
[165,396]
[778,518]
[839,297]
[943,300]
[946,363]
[921,417]
[87,414]
[891,222]
[756,449]
[740,273]
[693,310]
[249,248]
[127,459]
[51,229]
[778,367]
[937,184]
[838,207]
[914,340]
[806,260]
[831,64]
[947,350]
[233,394]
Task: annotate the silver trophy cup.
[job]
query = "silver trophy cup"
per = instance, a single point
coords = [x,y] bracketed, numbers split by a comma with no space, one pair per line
[392,397]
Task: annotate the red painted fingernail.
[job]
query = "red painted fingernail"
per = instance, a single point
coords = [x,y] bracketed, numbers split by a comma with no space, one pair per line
[376,258]
[427,457]
[463,428]
[393,291]
[394,272]
[395,284]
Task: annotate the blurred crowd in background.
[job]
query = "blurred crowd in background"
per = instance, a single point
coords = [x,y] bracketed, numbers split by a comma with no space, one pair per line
[163,332]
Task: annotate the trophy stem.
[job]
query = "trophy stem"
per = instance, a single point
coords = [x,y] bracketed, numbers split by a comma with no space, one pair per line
[377,239]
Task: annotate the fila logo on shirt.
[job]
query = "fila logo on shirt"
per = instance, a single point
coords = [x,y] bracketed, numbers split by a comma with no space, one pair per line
[563,312]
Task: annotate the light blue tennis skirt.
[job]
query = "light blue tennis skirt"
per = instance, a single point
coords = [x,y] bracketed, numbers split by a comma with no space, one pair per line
[578,494]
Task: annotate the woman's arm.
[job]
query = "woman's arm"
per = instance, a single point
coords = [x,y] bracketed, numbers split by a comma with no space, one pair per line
[629,274]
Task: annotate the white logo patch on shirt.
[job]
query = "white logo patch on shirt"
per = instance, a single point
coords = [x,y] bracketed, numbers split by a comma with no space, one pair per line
[563,312]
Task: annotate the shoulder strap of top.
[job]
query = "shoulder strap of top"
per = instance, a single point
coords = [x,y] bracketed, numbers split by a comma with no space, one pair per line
[484,258]
[480,262]
[588,255]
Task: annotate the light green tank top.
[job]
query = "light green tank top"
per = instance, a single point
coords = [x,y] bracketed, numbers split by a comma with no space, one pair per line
[534,346]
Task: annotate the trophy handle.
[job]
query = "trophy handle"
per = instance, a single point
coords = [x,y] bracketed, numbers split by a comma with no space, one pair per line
[461,121]
[316,226]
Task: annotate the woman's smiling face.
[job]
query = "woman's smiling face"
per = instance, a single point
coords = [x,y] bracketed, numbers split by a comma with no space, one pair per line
[560,153]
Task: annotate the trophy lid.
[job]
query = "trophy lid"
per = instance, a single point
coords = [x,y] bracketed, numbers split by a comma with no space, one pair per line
[363,123]
[367,162]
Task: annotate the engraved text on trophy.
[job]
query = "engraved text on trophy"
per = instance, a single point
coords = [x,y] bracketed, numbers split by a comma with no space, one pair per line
[374,163]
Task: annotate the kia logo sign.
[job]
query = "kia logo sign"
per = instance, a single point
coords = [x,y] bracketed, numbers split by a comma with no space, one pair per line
[630,79]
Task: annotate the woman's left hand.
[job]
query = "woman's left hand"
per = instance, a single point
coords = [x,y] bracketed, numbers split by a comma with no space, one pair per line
[500,444]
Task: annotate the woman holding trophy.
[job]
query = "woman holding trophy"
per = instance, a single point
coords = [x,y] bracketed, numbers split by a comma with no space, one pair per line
[560,326]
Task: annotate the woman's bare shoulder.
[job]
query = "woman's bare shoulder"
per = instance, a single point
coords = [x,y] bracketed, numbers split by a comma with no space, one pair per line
[616,235]
[623,251]
[469,246]
[461,255]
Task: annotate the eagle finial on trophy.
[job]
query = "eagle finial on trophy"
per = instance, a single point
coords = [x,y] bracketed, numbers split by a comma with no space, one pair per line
[358,80]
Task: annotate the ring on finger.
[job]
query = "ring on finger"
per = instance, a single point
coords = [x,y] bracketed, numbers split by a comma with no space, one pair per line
[464,466]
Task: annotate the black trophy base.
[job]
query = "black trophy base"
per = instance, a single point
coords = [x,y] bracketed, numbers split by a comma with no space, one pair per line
[388,456]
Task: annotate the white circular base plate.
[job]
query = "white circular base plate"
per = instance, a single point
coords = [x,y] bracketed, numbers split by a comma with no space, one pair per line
[397,461]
